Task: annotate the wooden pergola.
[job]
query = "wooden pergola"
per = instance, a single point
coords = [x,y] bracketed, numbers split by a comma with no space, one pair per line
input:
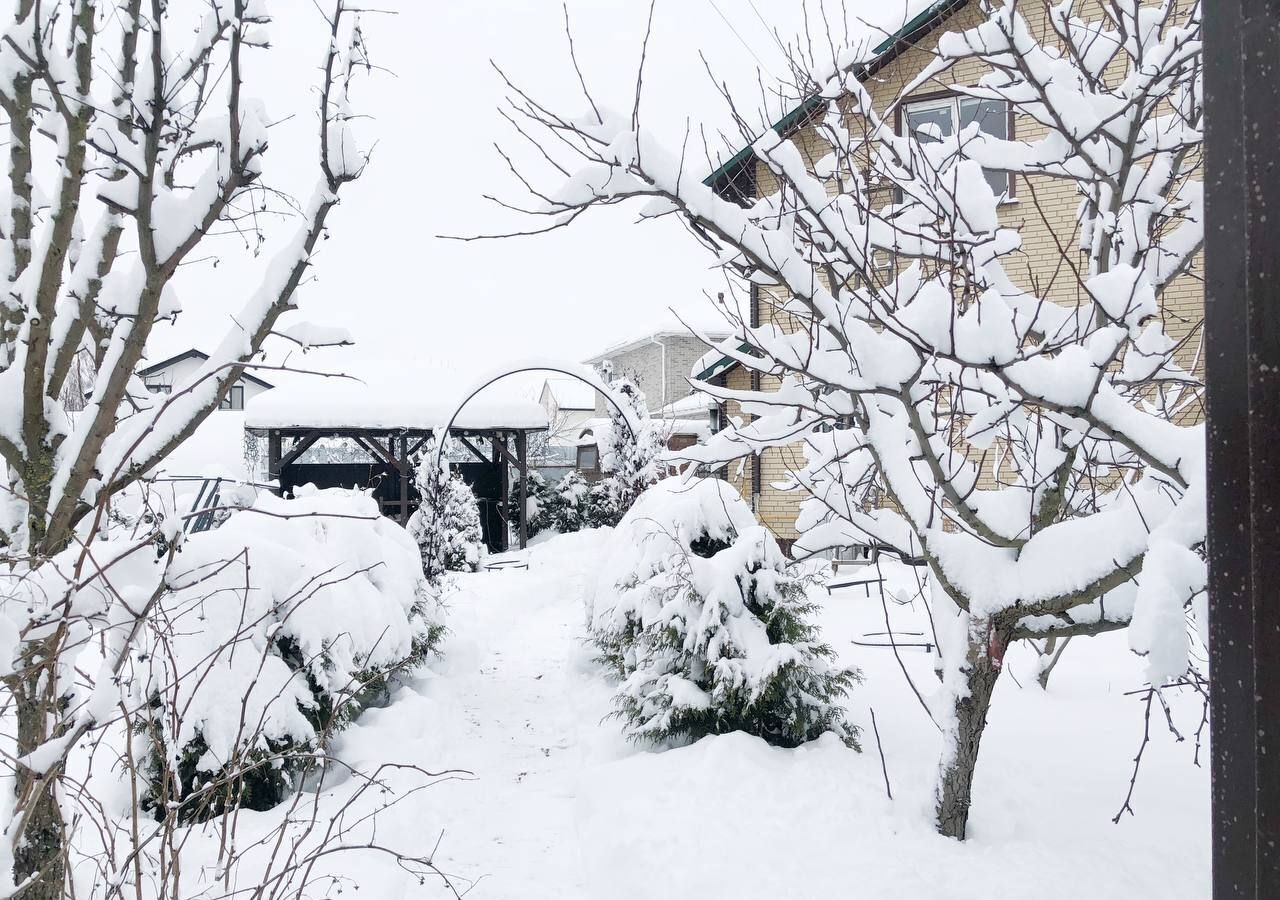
[397,448]
[392,427]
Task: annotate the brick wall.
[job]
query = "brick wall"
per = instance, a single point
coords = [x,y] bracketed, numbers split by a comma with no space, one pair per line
[662,377]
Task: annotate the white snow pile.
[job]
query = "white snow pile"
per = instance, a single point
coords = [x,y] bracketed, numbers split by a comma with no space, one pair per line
[274,631]
[696,613]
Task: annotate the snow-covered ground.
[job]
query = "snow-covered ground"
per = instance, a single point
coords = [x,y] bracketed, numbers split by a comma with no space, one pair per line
[560,806]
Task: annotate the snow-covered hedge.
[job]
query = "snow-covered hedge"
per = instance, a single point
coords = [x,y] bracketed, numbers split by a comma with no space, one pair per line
[697,614]
[274,631]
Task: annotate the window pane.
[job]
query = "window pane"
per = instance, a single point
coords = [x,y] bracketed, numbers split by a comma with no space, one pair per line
[930,123]
[588,458]
[992,117]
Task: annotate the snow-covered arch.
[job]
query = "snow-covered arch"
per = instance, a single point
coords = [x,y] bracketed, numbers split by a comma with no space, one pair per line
[572,370]
[541,364]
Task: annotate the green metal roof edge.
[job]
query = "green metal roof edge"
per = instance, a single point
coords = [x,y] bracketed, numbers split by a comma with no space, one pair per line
[719,366]
[807,106]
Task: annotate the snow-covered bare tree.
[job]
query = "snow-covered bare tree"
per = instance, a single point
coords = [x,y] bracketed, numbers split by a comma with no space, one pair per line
[1034,447]
[133,132]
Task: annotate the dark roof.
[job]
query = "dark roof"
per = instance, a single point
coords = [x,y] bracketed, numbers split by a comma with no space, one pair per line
[193,353]
[734,180]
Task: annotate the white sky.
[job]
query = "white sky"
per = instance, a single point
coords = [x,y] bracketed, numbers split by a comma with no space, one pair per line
[404,292]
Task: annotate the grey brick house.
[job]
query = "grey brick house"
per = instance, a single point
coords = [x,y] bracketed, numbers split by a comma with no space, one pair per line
[659,363]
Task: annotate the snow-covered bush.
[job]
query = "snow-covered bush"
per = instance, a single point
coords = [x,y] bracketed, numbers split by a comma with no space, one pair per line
[629,453]
[699,617]
[537,506]
[273,632]
[446,524]
[568,504]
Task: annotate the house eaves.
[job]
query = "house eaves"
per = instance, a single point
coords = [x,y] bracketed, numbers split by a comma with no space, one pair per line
[202,356]
[726,180]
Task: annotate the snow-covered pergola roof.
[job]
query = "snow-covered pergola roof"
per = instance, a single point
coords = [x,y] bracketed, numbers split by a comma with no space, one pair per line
[413,404]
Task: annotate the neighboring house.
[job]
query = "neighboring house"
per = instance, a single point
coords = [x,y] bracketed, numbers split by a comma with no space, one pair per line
[683,424]
[1046,224]
[569,404]
[161,378]
[659,364]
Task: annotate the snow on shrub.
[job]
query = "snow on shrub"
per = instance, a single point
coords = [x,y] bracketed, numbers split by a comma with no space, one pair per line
[274,631]
[536,506]
[630,457]
[446,524]
[567,506]
[697,614]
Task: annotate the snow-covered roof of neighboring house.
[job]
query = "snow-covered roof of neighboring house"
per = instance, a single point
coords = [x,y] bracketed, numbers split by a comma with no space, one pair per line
[704,317]
[570,393]
[691,407]
[410,401]
[193,353]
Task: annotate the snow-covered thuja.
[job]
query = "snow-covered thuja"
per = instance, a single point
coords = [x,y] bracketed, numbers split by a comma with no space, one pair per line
[537,507]
[274,631]
[629,453]
[446,524]
[567,506]
[136,155]
[696,613]
[1024,409]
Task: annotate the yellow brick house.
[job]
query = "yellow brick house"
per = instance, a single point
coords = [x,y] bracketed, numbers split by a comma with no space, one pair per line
[1042,209]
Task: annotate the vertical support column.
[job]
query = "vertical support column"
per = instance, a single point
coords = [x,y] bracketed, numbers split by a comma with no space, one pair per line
[502,540]
[403,466]
[1242,362]
[273,453]
[522,455]
[504,489]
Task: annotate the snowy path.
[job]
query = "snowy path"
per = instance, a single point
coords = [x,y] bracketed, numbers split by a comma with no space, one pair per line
[508,702]
[560,807]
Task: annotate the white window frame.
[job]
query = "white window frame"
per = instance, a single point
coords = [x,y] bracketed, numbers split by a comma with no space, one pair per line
[952,102]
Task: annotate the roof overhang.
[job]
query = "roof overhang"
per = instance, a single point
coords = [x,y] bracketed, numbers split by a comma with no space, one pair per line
[725,179]
[193,353]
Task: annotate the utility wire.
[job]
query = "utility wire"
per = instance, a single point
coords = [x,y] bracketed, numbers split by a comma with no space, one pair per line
[759,61]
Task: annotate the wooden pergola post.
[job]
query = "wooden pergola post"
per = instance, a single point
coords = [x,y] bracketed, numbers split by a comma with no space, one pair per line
[1242,368]
[405,469]
[522,454]
[273,453]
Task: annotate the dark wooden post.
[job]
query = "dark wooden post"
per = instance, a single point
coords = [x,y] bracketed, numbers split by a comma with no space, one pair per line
[499,441]
[403,457]
[1242,340]
[273,453]
[522,455]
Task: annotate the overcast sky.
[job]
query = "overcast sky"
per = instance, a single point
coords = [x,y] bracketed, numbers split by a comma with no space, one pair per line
[387,276]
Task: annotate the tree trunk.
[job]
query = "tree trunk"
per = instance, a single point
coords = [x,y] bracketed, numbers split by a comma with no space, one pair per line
[983,662]
[41,848]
